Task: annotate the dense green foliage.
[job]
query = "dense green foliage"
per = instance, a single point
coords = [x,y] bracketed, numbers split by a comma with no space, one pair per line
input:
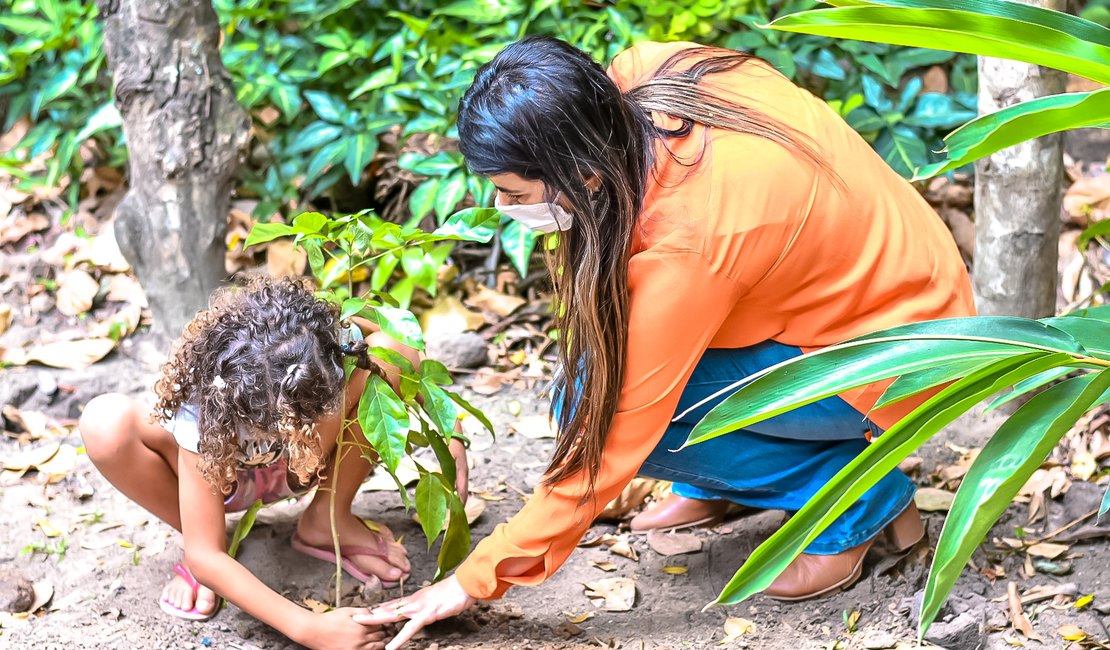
[332,83]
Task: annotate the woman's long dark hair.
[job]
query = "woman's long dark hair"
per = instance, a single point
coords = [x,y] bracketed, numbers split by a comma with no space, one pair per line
[546,111]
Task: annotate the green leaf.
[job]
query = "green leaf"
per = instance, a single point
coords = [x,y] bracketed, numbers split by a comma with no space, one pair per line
[263,232]
[865,360]
[380,78]
[471,409]
[1014,124]
[874,462]
[1093,334]
[482,12]
[1004,465]
[104,118]
[362,148]
[328,155]
[326,106]
[401,325]
[243,528]
[27,26]
[472,224]
[315,257]
[456,542]
[287,98]
[351,306]
[967,29]
[1092,232]
[384,421]
[331,59]
[314,136]
[383,271]
[450,192]
[439,406]
[902,149]
[435,371]
[59,84]
[431,505]
[916,382]
[423,199]
[309,222]
[1105,507]
[519,241]
[1028,385]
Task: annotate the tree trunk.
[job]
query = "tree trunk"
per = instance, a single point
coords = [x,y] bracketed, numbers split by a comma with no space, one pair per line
[1018,197]
[185,135]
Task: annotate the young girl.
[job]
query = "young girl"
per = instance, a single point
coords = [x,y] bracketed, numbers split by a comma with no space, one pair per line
[251,406]
[714,219]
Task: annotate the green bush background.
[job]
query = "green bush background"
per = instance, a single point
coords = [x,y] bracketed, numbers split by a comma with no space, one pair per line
[330,84]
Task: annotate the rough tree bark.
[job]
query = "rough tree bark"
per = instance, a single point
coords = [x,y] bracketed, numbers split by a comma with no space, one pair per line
[1017,197]
[185,135]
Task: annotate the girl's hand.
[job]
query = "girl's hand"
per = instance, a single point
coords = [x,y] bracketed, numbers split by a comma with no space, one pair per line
[337,630]
[462,470]
[437,602]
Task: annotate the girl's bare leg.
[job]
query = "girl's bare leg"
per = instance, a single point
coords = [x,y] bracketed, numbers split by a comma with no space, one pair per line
[315,524]
[140,459]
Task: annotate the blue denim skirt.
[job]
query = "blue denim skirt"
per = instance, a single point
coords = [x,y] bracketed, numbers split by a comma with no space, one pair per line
[778,463]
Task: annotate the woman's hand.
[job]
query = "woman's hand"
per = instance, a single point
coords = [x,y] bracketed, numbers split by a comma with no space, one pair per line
[437,602]
[462,470]
[338,630]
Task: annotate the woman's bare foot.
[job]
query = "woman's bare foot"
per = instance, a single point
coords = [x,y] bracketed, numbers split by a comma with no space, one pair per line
[179,593]
[315,530]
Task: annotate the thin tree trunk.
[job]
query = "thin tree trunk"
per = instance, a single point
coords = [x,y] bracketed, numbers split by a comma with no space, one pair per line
[1017,197]
[185,136]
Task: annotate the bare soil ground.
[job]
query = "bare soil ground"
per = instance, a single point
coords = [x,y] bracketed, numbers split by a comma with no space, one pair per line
[117,557]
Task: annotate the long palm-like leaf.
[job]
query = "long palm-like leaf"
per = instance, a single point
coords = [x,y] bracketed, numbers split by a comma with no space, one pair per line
[961,30]
[915,382]
[988,134]
[865,360]
[863,472]
[1000,470]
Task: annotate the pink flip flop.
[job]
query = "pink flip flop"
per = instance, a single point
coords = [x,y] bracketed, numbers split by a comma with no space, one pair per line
[327,554]
[188,614]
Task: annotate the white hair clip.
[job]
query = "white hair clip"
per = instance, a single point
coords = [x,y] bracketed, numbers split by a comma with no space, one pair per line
[219,382]
[291,369]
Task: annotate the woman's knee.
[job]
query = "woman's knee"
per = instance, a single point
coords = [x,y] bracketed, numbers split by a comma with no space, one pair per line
[106,424]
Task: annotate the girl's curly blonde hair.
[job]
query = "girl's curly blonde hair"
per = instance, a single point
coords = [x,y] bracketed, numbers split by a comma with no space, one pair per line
[264,357]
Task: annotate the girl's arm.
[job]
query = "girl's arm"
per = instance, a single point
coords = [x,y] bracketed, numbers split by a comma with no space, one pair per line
[204,531]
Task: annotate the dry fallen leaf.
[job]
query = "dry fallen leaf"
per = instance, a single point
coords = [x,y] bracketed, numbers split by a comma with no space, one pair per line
[736,627]
[32,423]
[1084,601]
[15,228]
[76,291]
[1083,465]
[933,499]
[612,594]
[284,258]
[1018,619]
[578,618]
[676,570]
[1047,550]
[316,606]
[74,355]
[449,316]
[494,301]
[5,317]
[30,458]
[631,498]
[1071,632]
[124,288]
[673,543]
[122,323]
[60,465]
[47,528]
[534,427]
[624,549]
[604,566]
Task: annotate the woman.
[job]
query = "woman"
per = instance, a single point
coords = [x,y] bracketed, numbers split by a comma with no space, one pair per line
[713,219]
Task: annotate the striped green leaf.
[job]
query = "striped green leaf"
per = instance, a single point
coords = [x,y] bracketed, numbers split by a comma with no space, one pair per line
[1000,34]
[1029,385]
[874,462]
[1007,461]
[985,135]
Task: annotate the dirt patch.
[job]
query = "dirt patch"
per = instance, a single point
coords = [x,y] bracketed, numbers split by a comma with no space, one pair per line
[117,557]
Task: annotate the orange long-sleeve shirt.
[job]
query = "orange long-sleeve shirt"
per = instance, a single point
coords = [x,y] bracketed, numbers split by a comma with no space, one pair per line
[754,243]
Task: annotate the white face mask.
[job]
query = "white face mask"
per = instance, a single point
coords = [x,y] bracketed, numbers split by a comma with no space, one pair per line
[543,217]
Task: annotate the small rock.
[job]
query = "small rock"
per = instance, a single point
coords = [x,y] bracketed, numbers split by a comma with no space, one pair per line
[17,594]
[47,384]
[458,350]
[964,632]
[566,630]
[879,640]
